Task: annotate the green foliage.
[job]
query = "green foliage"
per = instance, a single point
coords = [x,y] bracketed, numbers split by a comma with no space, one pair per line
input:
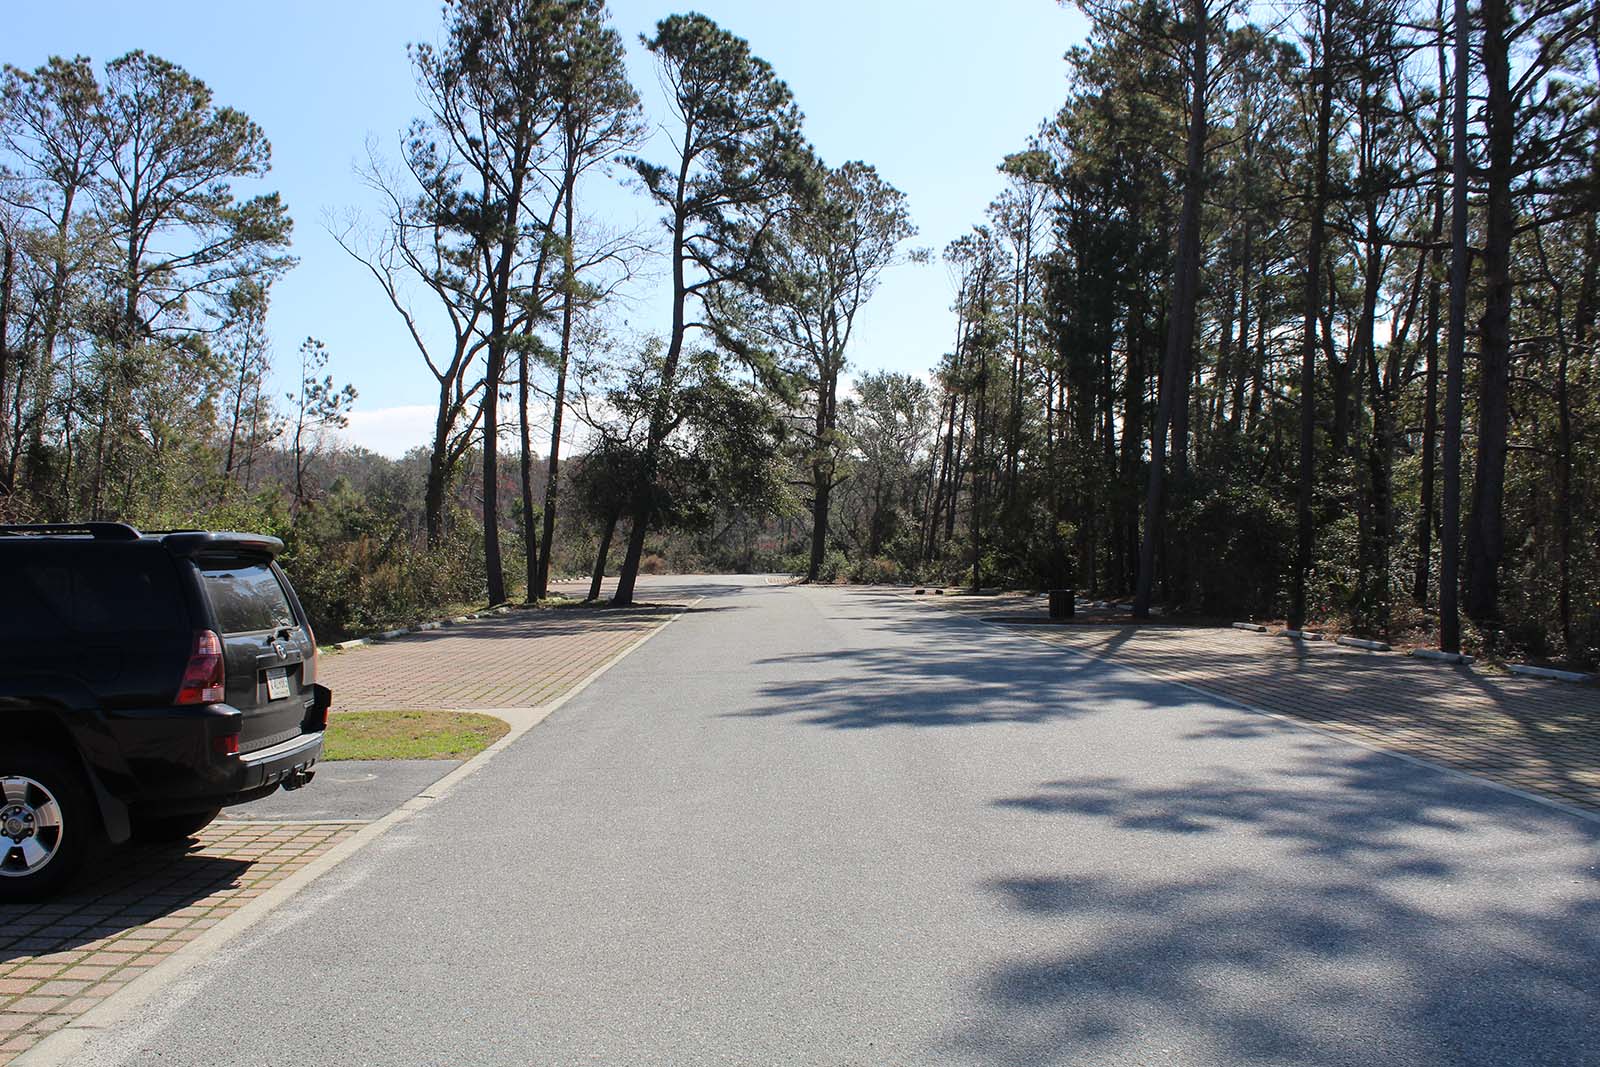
[1236,540]
[742,146]
[133,349]
[736,132]
[835,567]
[132,243]
[177,233]
[358,569]
[875,571]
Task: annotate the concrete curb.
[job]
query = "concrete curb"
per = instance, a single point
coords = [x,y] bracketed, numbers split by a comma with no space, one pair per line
[1435,656]
[1301,635]
[1255,628]
[1530,671]
[1362,642]
[61,1048]
[416,628]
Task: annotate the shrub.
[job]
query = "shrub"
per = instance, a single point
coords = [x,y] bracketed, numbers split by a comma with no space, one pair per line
[357,569]
[835,566]
[1238,541]
[876,571]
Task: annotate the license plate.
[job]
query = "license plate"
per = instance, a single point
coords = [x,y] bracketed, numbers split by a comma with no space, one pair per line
[277,682]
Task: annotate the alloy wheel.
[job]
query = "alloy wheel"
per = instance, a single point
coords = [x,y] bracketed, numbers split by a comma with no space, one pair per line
[31,829]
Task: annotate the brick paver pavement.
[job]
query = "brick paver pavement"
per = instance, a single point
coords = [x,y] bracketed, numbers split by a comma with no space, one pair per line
[1541,736]
[60,959]
[520,660]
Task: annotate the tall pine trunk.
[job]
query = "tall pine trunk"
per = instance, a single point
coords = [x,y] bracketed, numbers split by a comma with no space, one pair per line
[643,504]
[1305,528]
[822,465]
[599,574]
[552,485]
[530,535]
[494,376]
[1185,293]
[7,273]
[1430,410]
[1460,272]
[1486,528]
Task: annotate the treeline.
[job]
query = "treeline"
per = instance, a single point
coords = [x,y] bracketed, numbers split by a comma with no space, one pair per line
[1281,319]
[136,361]
[133,289]
[1287,317]
[134,357]
[487,252]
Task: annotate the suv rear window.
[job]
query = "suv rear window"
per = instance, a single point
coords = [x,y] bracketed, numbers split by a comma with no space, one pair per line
[248,597]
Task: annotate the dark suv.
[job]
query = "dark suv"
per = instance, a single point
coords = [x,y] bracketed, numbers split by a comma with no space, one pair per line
[146,682]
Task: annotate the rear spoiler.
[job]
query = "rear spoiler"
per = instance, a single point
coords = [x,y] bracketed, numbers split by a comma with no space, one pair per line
[204,542]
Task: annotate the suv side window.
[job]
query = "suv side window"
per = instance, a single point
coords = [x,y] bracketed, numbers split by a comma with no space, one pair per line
[247,596]
[87,590]
[110,616]
[113,595]
[38,600]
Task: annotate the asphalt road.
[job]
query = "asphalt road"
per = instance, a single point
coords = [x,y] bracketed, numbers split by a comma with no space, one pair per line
[347,790]
[816,826]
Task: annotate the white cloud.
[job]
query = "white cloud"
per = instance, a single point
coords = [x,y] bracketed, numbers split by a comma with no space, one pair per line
[394,431]
[390,431]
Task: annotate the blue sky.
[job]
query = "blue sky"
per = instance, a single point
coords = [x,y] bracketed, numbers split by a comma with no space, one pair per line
[932,93]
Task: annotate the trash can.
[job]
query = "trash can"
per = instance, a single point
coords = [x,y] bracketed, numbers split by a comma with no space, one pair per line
[1061,603]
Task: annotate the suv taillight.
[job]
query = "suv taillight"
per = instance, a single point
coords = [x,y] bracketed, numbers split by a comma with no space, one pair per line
[203,678]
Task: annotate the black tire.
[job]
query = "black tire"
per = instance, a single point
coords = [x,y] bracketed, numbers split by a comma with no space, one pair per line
[40,787]
[164,828]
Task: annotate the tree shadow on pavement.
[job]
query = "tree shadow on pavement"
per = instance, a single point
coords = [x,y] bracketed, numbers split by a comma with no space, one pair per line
[867,688]
[558,622]
[929,671]
[127,887]
[1372,914]
[1533,734]
[1329,905]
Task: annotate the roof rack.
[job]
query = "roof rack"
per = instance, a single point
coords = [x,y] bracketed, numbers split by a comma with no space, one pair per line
[100,531]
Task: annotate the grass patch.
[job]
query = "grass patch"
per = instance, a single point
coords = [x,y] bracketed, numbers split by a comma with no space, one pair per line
[410,734]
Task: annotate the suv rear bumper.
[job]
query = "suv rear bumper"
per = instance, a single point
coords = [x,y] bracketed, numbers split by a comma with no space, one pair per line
[287,763]
[177,763]
[229,780]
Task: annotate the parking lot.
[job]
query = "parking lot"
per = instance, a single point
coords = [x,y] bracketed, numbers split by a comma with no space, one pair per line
[60,959]
[1528,733]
